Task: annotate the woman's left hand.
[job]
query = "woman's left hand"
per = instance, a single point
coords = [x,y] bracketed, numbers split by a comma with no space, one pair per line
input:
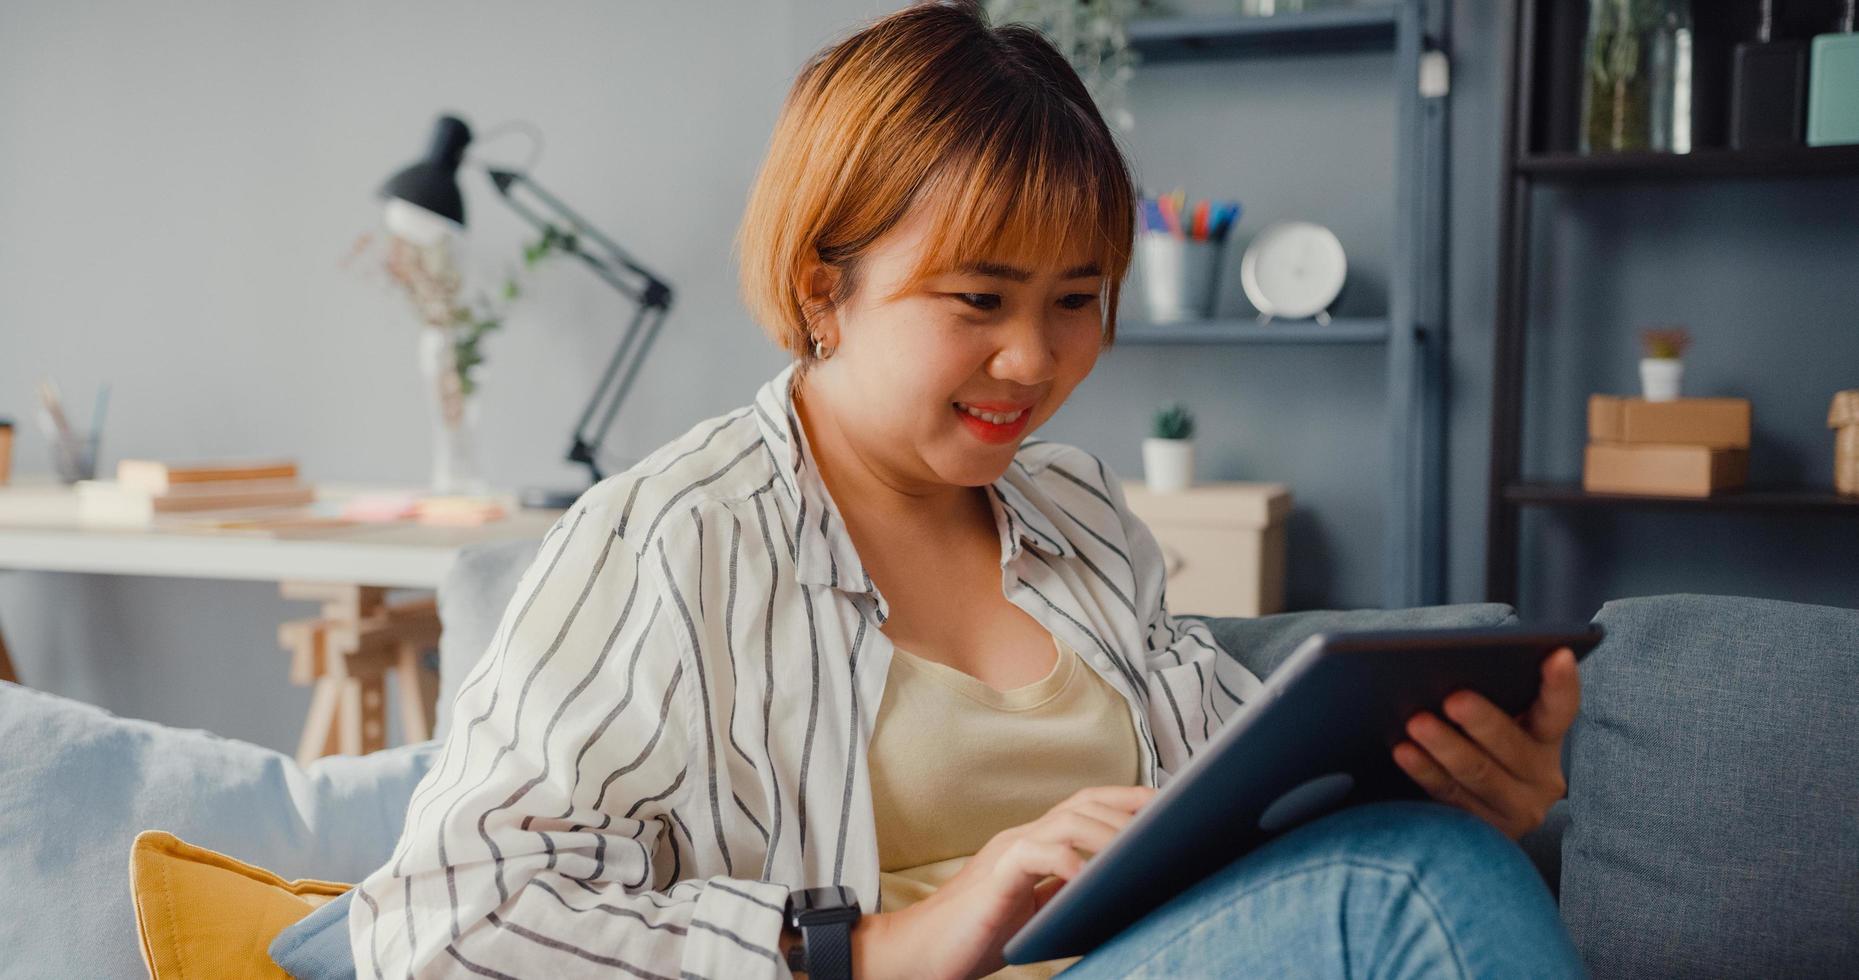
[1506,770]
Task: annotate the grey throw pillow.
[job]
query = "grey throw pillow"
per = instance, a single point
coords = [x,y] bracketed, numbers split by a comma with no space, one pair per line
[1714,791]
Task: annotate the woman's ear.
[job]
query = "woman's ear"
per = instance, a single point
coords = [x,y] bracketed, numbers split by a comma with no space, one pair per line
[817,282]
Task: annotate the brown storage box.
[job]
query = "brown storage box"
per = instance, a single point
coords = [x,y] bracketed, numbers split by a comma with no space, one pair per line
[1685,421]
[1843,418]
[1664,470]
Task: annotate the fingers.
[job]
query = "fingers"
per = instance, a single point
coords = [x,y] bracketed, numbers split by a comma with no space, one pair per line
[1558,701]
[1033,860]
[1476,772]
[1498,733]
[1439,784]
[1129,799]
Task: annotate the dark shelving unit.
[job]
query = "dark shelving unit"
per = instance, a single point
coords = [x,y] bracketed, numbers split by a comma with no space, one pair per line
[1804,161]
[1204,36]
[1781,498]
[1538,152]
[1246,330]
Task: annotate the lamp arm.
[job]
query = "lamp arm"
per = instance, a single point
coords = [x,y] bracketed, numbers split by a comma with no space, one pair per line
[504,180]
[653,296]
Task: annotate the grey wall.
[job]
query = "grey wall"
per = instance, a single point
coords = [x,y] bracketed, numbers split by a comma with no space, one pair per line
[179,184]
[178,187]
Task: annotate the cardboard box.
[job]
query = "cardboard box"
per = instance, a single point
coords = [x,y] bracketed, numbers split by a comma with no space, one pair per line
[1667,470]
[1223,544]
[1684,421]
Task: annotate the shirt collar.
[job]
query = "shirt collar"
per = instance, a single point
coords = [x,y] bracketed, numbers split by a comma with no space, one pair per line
[823,549]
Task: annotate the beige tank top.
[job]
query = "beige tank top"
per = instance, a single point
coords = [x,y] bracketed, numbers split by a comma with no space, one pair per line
[954,761]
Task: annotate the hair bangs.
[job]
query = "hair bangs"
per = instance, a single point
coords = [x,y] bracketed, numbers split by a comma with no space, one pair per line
[1029,204]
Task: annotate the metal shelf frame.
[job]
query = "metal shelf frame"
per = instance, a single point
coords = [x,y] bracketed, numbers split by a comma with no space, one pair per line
[1413,334]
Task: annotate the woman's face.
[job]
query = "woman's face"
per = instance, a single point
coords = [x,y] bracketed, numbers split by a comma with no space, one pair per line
[1006,341]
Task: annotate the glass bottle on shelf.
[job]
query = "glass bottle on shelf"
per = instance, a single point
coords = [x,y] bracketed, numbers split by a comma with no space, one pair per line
[1637,77]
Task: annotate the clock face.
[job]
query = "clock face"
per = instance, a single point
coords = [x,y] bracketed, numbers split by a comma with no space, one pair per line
[1293,269]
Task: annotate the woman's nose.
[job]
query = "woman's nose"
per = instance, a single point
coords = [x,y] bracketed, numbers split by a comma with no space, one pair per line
[1028,356]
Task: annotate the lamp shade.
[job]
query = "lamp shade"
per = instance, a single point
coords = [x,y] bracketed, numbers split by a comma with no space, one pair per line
[423,201]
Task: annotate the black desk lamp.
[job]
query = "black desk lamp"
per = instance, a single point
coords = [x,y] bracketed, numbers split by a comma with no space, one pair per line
[424,203]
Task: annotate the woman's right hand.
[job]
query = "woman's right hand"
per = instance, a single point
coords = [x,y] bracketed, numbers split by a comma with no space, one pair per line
[959,930]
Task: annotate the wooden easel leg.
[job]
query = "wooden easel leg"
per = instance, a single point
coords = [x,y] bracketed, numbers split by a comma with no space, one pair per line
[418,693]
[319,730]
[347,653]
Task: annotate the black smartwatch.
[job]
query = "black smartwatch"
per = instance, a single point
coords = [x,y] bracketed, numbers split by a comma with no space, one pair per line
[824,918]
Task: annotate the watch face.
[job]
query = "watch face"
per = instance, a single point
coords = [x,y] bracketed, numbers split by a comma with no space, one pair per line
[817,903]
[1293,269]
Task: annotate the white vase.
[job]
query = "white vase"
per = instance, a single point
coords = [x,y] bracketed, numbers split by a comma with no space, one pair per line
[454,416]
[1168,464]
[1660,378]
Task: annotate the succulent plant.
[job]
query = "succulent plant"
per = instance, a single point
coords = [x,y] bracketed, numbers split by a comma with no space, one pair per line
[1665,342]
[1174,422]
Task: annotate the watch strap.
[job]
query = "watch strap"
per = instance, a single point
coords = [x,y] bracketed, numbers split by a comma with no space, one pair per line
[828,947]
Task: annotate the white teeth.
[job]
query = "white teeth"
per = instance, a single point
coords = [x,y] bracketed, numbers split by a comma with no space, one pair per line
[995,417]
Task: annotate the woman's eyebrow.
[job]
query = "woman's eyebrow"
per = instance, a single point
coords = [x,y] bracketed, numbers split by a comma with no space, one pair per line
[995,270]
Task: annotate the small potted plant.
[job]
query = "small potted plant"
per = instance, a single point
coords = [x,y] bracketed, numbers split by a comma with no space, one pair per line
[1662,369]
[1168,454]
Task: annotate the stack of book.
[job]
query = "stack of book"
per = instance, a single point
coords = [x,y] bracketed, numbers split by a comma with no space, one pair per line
[145,488]
[1686,447]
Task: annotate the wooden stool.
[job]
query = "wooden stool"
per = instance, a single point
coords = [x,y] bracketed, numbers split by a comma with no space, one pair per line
[345,655]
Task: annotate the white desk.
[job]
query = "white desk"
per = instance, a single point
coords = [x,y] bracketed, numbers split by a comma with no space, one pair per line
[344,654]
[401,555]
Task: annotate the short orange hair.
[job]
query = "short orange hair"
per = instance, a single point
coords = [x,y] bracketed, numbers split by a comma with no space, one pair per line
[932,103]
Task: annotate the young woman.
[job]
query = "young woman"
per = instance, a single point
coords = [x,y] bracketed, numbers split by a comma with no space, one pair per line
[865,632]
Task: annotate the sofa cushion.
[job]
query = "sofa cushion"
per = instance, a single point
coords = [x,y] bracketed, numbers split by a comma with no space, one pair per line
[77,784]
[205,914]
[480,583]
[1262,643]
[317,946]
[1714,791]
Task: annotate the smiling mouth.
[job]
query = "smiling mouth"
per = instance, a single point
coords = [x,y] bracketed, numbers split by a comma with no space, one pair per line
[994,418]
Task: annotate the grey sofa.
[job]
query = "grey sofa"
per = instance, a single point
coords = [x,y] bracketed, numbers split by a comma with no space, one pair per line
[1711,828]
[1712,822]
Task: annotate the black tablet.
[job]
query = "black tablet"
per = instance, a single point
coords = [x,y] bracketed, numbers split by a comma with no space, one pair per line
[1318,737]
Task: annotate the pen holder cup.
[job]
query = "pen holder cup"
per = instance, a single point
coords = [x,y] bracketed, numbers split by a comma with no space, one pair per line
[1178,276]
[77,460]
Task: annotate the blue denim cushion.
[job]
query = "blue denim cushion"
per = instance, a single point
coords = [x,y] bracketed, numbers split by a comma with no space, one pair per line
[78,783]
[317,946]
[1714,791]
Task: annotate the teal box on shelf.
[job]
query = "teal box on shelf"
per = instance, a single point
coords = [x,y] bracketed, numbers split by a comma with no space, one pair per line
[1833,87]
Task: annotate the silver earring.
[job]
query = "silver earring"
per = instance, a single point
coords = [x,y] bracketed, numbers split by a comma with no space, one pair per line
[821,352]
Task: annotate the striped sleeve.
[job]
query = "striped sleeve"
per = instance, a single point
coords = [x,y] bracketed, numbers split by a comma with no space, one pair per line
[1195,684]
[545,841]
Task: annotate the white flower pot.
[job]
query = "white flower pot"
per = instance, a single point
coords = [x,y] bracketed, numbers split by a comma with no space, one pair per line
[1168,464]
[1660,378]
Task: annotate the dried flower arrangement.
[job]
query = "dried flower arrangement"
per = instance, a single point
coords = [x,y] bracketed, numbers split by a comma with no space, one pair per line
[430,278]
[1667,342]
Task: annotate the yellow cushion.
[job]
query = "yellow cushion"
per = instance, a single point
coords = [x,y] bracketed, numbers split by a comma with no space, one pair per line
[203,914]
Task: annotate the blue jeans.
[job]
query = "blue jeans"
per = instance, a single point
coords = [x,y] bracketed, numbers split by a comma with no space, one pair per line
[1402,889]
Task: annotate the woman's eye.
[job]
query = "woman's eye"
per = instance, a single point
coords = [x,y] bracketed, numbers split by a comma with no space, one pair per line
[980,301]
[1077,301]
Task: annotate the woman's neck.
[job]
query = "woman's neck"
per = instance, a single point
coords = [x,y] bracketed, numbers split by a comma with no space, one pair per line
[869,497]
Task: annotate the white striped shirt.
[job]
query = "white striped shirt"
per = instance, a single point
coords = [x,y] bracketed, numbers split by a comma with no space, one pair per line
[668,731]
